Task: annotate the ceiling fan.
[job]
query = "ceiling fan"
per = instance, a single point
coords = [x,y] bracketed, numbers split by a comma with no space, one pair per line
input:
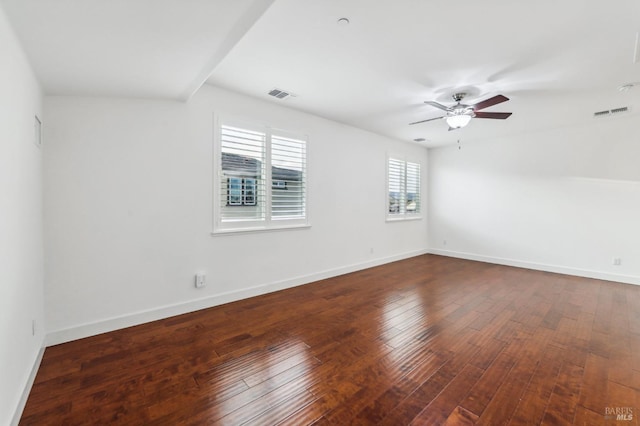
[460,114]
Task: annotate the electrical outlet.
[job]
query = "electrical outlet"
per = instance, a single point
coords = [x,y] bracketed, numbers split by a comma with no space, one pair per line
[201,280]
[617,261]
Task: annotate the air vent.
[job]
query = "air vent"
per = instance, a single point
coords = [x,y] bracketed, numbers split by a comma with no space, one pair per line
[280,94]
[619,110]
[609,112]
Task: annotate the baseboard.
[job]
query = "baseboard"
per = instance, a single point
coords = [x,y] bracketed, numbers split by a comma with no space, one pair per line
[627,279]
[27,388]
[91,329]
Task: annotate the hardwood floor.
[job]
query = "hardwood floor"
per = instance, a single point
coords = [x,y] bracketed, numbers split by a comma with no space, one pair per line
[430,340]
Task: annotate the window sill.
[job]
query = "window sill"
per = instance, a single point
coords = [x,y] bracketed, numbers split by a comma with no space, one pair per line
[403,219]
[256,230]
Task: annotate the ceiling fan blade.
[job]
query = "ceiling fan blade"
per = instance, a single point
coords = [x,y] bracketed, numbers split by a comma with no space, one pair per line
[489,102]
[496,115]
[424,121]
[437,105]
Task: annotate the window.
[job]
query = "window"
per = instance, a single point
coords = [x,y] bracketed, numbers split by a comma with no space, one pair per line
[403,189]
[260,179]
[234,191]
[241,192]
[288,162]
[249,192]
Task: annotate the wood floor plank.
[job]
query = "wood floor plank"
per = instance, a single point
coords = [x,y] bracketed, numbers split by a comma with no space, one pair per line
[418,370]
[622,401]
[375,379]
[534,401]
[595,387]
[426,340]
[482,392]
[586,417]
[506,399]
[224,406]
[561,407]
[461,417]
[303,415]
[281,411]
[405,412]
[442,406]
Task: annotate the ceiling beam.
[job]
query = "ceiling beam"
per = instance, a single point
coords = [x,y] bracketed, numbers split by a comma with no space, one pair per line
[244,24]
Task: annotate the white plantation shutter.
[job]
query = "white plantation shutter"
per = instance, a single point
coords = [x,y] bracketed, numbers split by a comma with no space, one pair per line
[403,189]
[288,180]
[413,188]
[242,183]
[396,177]
[261,180]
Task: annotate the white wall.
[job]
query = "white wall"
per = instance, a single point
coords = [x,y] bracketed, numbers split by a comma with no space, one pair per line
[565,200]
[21,264]
[128,202]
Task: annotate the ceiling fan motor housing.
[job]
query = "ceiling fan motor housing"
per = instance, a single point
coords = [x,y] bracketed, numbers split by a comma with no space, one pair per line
[458,96]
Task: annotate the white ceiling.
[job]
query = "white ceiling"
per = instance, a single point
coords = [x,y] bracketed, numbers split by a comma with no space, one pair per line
[558,61]
[129,48]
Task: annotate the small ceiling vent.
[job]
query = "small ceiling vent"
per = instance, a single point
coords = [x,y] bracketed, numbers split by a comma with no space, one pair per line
[280,94]
[619,110]
[610,112]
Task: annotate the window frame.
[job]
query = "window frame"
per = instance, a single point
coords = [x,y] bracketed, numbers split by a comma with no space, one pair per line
[221,227]
[254,195]
[406,215]
[234,191]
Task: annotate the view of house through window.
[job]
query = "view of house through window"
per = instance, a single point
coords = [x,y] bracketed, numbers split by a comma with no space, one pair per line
[403,188]
[262,179]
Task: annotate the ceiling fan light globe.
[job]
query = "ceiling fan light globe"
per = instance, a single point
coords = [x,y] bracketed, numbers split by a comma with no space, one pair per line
[458,121]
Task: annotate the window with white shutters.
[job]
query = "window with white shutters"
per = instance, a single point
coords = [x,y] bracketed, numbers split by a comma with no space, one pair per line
[288,183]
[412,188]
[261,179]
[403,189]
[242,171]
